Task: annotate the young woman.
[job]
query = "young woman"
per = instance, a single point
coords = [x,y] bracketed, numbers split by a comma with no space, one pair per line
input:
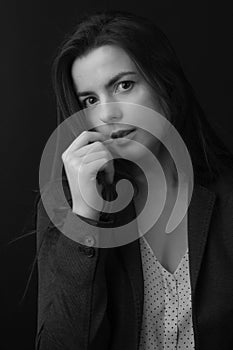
[159,291]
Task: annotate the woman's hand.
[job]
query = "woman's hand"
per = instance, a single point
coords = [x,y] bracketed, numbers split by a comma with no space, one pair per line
[82,161]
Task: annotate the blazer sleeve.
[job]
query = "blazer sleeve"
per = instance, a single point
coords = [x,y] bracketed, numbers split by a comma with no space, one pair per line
[67,262]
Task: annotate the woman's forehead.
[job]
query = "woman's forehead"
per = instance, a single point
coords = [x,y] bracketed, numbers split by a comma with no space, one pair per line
[100,65]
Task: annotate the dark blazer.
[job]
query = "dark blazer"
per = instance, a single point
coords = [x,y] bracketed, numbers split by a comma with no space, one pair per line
[92,298]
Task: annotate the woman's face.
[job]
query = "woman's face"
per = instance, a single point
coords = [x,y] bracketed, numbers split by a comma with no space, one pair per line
[107,74]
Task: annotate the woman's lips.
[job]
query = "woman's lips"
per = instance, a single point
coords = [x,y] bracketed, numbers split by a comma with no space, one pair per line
[121,133]
[123,140]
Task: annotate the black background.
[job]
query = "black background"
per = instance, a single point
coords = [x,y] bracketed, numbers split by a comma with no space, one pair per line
[200,31]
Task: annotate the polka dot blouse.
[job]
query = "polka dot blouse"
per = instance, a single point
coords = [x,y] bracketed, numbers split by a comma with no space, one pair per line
[167,314]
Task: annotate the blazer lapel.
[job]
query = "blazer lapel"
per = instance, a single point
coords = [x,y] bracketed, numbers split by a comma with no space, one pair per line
[199,216]
[131,256]
[132,260]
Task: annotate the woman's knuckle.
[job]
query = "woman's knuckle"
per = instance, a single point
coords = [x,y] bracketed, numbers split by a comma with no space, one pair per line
[85,134]
[63,156]
[73,162]
[98,143]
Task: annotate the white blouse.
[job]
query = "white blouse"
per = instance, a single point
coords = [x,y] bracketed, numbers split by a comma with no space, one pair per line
[167,314]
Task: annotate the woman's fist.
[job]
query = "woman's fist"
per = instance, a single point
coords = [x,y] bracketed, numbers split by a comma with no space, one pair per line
[82,160]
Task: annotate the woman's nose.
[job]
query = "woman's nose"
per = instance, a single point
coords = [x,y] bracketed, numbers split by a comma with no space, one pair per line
[110,112]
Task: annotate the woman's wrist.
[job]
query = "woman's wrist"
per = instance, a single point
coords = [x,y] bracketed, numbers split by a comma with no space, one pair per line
[87,213]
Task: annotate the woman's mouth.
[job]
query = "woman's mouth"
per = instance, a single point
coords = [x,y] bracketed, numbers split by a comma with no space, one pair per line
[123,133]
[122,137]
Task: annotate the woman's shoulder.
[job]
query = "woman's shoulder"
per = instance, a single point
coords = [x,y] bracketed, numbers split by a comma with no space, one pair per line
[222,185]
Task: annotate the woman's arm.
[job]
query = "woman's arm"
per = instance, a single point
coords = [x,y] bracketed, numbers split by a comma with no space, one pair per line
[71,281]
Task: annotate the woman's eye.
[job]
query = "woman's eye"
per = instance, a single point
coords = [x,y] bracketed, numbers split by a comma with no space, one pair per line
[125,85]
[88,101]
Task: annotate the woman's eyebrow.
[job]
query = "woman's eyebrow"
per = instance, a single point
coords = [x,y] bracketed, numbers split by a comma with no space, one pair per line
[112,81]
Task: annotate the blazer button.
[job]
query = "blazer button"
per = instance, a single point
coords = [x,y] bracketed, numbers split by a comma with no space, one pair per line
[89,251]
[89,241]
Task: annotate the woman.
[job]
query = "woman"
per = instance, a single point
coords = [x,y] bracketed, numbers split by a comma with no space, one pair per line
[159,291]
